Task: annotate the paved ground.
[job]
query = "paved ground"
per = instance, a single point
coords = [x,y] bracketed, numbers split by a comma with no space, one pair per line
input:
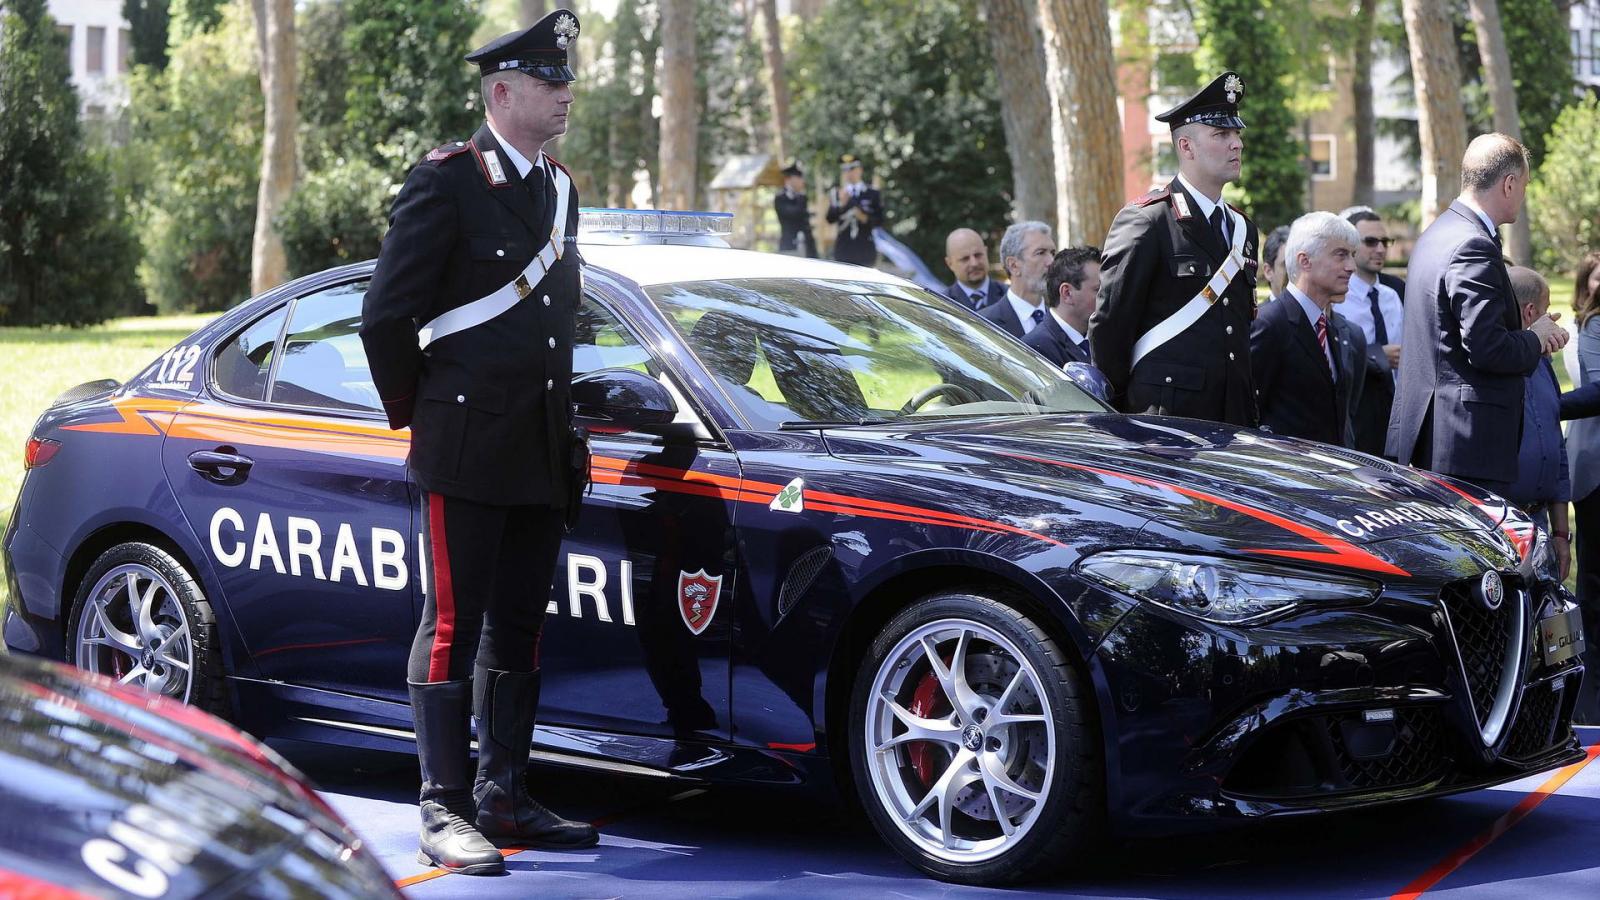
[1528,839]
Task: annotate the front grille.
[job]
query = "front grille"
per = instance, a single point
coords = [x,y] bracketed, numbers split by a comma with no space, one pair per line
[1481,639]
[1534,731]
[1416,756]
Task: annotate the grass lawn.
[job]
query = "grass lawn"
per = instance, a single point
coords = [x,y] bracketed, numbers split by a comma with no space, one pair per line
[37,364]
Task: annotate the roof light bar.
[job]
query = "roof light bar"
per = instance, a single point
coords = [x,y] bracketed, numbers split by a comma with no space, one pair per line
[654,226]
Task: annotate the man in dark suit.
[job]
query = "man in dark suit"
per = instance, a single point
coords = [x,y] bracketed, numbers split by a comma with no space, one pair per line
[1178,279]
[1458,405]
[968,259]
[794,214]
[481,254]
[1071,285]
[1352,346]
[1295,354]
[856,210]
[1026,250]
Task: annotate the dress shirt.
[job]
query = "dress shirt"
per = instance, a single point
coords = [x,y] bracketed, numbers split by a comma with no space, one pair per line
[982,292]
[1542,457]
[1313,313]
[1072,333]
[1205,204]
[1023,309]
[1357,309]
[524,166]
[1482,217]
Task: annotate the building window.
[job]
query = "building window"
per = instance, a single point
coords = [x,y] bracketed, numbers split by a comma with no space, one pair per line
[124,39]
[1594,52]
[1577,53]
[96,49]
[66,32]
[1324,164]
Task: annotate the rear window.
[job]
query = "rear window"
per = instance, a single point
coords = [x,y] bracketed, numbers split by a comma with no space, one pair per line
[242,366]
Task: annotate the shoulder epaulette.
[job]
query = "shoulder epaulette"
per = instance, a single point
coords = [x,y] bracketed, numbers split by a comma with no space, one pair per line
[1156,195]
[557,163]
[447,150]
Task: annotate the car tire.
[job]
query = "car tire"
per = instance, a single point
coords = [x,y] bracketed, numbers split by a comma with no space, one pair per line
[1024,706]
[159,633]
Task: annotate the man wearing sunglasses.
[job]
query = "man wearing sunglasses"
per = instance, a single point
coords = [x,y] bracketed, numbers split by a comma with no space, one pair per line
[1377,310]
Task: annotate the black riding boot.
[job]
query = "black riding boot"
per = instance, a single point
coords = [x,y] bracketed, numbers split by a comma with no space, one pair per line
[505,704]
[449,839]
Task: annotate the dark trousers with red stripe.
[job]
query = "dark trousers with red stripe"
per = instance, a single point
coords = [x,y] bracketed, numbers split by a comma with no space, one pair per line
[489,572]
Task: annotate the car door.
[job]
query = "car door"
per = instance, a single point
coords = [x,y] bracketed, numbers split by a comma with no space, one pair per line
[292,480]
[640,616]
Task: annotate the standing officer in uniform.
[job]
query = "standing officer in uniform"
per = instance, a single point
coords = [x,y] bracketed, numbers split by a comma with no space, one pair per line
[468,325]
[794,214]
[856,210]
[1177,291]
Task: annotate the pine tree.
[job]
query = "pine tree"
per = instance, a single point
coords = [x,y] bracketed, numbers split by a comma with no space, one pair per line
[65,256]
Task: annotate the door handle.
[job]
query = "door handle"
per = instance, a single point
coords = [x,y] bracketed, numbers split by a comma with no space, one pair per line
[220,465]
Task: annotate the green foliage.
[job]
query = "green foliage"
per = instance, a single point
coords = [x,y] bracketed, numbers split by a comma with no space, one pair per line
[336,216]
[1541,67]
[409,89]
[323,83]
[906,86]
[731,85]
[1249,37]
[1564,195]
[190,17]
[147,30]
[197,136]
[612,133]
[64,246]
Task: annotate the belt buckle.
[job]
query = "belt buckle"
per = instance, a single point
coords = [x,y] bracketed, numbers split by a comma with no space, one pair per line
[522,287]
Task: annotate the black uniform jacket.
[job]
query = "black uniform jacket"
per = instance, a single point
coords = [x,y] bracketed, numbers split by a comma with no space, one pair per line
[1051,342]
[489,407]
[794,221]
[1299,396]
[853,242]
[1158,255]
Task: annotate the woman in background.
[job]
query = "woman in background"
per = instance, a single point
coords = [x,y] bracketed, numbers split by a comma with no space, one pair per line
[1583,461]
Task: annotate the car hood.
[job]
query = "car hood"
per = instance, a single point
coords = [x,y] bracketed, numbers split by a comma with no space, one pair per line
[1241,487]
[113,790]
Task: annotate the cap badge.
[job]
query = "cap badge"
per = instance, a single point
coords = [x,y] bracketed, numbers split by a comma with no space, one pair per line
[566,30]
[1234,87]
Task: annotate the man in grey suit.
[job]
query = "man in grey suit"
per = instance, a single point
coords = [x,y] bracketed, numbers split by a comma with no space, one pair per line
[968,259]
[1026,250]
[1458,405]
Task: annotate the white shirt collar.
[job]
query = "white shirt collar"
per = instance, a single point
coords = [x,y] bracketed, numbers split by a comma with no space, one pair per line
[1312,311]
[1072,333]
[1205,203]
[517,159]
[1366,286]
[1483,216]
[1023,309]
[981,290]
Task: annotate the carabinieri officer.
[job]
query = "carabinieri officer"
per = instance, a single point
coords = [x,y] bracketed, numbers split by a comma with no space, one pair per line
[468,325]
[1171,332]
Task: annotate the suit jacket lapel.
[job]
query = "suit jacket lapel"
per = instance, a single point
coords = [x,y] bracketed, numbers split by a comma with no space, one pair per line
[513,193]
[1305,335]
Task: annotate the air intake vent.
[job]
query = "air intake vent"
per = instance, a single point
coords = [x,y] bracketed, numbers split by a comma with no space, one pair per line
[801,576]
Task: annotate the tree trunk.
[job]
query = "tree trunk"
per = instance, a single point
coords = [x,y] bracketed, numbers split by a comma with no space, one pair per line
[1503,94]
[1366,120]
[1018,50]
[777,81]
[530,11]
[275,22]
[1080,75]
[1436,78]
[679,117]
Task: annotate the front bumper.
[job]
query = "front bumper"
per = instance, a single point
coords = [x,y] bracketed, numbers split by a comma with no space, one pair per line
[1332,709]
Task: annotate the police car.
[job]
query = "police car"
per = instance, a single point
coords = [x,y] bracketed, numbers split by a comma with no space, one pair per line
[841,532]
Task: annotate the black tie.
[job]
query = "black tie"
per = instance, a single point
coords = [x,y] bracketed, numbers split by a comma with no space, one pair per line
[1219,225]
[1380,331]
[1084,346]
[976,299]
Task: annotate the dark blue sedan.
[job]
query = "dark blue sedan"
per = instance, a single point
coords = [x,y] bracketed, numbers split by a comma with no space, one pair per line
[841,533]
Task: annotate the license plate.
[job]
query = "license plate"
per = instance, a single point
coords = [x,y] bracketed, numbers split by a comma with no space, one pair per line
[1561,636]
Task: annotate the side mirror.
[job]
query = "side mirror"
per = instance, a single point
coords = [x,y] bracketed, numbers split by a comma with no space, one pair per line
[1088,378]
[618,400]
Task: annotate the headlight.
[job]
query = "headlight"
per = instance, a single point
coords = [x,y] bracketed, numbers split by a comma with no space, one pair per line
[1543,559]
[1225,591]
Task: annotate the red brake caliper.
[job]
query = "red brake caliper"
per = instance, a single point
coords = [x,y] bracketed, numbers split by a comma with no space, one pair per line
[929,702]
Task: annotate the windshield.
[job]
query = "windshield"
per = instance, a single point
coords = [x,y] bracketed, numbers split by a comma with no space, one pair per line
[796,351]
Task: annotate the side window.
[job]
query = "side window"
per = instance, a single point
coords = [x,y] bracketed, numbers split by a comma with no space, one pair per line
[601,341]
[324,365]
[242,366]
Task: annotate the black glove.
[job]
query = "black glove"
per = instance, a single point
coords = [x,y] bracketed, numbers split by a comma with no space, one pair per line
[578,477]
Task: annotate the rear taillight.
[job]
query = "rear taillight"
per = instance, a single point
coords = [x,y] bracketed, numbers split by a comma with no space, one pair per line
[39,452]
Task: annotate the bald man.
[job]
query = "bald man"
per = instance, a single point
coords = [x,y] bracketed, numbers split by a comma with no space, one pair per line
[968,259]
[1542,486]
[1458,403]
